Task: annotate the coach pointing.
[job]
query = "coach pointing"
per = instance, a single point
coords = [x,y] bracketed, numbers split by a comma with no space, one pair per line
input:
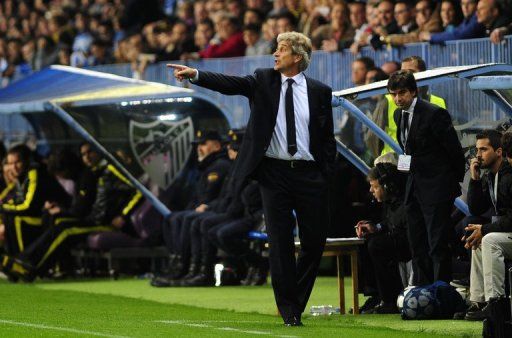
[289,148]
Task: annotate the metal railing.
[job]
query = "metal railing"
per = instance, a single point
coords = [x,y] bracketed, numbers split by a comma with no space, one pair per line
[334,69]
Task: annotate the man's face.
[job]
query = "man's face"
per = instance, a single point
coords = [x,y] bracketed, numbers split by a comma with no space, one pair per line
[468,7]
[423,13]
[232,154]
[486,153]
[358,73]
[385,13]
[17,166]
[357,14]
[403,15]
[250,37]
[284,25]
[284,59]
[338,13]
[206,148]
[411,66]
[225,29]
[403,97]
[89,156]
[486,12]
[377,190]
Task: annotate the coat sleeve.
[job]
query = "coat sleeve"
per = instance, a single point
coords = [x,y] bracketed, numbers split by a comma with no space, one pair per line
[228,84]
[443,130]
[478,200]
[504,223]
[329,142]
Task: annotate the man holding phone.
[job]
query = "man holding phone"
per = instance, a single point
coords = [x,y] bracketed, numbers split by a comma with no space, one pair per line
[490,200]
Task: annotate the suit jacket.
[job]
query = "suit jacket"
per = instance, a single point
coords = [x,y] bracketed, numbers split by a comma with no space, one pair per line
[263,90]
[438,163]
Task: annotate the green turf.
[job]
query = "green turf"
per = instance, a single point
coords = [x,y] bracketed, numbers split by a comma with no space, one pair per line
[131,308]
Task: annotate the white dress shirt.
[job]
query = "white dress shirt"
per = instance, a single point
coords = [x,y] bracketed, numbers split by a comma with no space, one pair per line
[278,147]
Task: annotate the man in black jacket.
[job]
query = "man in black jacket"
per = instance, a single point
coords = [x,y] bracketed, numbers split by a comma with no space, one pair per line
[289,147]
[490,239]
[386,240]
[434,159]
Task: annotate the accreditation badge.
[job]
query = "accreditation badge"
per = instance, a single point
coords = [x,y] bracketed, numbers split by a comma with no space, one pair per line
[404,163]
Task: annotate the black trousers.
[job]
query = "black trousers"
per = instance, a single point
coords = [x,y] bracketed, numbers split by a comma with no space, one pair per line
[61,235]
[21,231]
[429,233]
[172,231]
[201,248]
[285,189]
[386,250]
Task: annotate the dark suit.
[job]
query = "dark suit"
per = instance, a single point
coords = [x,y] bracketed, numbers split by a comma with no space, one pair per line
[284,188]
[437,167]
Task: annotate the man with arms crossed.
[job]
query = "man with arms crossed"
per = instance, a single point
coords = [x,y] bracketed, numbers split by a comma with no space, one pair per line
[289,147]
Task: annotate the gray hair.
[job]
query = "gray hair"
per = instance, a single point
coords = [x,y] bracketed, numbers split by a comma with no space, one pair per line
[301,45]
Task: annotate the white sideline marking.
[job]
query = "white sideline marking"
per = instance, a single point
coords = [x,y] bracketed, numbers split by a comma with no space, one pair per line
[58,328]
[232,329]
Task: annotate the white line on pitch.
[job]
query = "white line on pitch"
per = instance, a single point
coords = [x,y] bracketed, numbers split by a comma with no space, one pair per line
[58,328]
[196,324]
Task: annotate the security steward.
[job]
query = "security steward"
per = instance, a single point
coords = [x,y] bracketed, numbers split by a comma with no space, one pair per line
[214,165]
[387,108]
[226,208]
[31,187]
[115,199]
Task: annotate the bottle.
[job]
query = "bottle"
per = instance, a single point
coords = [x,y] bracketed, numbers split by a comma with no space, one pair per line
[323,310]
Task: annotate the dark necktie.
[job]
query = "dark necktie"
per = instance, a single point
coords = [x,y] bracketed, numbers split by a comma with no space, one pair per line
[405,121]
[290,119]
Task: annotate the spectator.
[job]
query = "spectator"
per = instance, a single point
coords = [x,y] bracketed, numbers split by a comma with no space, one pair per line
[389,67]
[469,27]
[256,44]
[404,16]
[338,34]
[427,19]
[488,13]
[253,16]
[499,33]
[99,53]
[285,22]
[200,12]
[173,42]
[372,19]
[357,18]
[451,14]
[312,17]
[351,129]
[489,238]
[230,41]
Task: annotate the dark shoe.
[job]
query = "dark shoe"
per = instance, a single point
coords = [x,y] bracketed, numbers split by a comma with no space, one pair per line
[16,269]
[293,321]
[161,282]
[477,312]
[199,280]
[385,308]
[249,277]
[368,306]
[260,277]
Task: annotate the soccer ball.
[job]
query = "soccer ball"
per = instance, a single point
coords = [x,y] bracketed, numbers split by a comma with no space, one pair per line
[419,303]
[401,296]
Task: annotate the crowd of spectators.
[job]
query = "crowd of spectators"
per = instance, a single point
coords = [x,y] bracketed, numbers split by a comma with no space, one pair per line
[82,33]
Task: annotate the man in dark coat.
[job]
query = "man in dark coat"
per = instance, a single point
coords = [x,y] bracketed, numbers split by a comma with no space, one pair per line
[434,159]
[289,147]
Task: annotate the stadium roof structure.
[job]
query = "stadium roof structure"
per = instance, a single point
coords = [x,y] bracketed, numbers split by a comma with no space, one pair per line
[68,85]
[62,89]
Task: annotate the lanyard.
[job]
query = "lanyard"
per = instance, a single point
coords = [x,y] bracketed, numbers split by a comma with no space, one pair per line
[405,136]
[493,191]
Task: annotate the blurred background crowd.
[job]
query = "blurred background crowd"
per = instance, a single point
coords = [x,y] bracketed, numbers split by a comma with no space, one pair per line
[83,33]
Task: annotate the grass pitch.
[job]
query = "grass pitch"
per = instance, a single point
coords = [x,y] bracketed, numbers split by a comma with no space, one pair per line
[131,308]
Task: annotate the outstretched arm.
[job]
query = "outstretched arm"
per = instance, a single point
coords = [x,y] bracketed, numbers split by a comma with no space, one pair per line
[225,84]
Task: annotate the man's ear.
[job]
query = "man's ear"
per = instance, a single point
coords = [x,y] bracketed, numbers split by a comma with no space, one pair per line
[298,58]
